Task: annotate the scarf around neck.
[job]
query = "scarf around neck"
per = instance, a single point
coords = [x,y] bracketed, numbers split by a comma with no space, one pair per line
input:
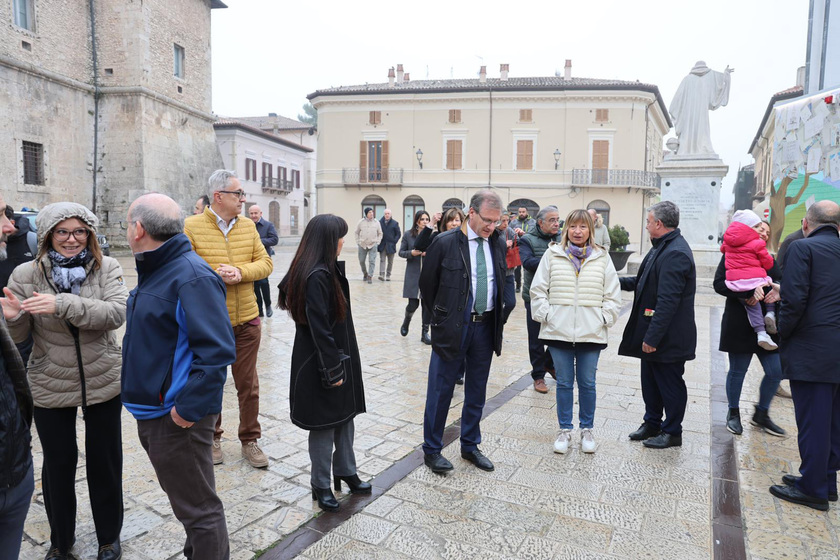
[68,273]
[577,255]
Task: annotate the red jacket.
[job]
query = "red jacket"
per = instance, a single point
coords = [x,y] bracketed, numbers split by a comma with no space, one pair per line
[746,254]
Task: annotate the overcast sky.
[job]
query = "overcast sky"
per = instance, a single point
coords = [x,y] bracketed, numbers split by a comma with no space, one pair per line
[268,55]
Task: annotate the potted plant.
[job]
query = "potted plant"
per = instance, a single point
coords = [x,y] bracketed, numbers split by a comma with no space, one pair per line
[619,238]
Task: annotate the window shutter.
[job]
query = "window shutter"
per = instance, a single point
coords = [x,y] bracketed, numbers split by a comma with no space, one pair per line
[525,155]
[602,115]
[362,161]
[375,117]
[454,115]
[525,115]
[453,154]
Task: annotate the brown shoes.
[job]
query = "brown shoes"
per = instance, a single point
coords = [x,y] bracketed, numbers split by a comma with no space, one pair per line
[252,452]
[217,452]
[539,386]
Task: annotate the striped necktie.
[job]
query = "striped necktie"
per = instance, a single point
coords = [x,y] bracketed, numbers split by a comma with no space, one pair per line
[480,278]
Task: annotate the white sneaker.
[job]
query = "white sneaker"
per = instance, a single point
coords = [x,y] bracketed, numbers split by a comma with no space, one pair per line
[770,322]
[561,445]
[766,342]
[587,441]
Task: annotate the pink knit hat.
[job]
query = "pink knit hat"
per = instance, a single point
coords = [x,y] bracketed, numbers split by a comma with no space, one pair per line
[746,217]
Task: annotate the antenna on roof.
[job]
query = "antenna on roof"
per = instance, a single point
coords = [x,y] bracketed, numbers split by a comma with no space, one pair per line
[427,71]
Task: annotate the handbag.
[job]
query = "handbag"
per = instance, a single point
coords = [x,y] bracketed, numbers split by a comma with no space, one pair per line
[512,255]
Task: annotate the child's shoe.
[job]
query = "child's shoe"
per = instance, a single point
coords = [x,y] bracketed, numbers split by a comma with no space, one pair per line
[766,342]
[770,322]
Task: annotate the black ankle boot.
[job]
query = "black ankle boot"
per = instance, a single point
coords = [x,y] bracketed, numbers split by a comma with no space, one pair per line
[761,419]
[357,485]
[733,421]
[425,338]
[326,499]
[406,322]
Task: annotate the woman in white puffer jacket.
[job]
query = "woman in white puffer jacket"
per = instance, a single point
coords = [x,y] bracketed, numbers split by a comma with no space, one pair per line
[576,297]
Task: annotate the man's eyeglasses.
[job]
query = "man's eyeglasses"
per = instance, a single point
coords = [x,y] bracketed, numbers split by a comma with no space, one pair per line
[239,194]
[489,222]
[80,234]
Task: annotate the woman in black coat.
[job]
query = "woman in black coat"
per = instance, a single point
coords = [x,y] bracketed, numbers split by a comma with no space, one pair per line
[737,338]
[326,390]
[413,265]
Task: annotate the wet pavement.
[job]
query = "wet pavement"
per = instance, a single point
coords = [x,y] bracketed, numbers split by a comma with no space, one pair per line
[706,499]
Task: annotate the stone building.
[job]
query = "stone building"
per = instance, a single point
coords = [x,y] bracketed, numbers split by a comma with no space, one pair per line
[572,142]
[104,100]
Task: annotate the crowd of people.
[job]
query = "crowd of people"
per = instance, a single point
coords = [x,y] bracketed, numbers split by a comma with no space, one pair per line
[201,294]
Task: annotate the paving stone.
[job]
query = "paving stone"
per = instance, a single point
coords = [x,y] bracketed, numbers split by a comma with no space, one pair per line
[578,532]
[630,544]
[366,528]
[326,547]
[772,546]
[604,514]
[639,500]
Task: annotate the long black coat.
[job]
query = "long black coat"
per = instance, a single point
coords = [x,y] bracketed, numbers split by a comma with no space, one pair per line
[390,236]
[413,265]
[809,317]
[318,345]
[445,283]
[665,284]
[736,334]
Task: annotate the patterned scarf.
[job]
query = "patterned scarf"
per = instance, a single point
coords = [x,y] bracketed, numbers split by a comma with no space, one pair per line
[578,255]
[68,273]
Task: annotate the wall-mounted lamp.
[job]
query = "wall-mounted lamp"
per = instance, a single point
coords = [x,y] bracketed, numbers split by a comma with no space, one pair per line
[419,155]
[556,159]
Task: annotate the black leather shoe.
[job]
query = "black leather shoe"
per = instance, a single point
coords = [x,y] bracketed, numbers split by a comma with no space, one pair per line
[268,311]
[762,420]
[357,485]
[478,459]
[792,479]
[111,551]
[645,431]
[438,463]
[460,380]
[797,496]
[733,421]
[326,499]
[662,441]
[55,554]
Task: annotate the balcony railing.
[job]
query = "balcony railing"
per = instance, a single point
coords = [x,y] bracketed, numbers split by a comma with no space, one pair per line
[615,178]
[383,175]
[276,186]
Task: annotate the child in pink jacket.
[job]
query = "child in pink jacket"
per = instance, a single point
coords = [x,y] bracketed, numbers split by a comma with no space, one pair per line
[747,262]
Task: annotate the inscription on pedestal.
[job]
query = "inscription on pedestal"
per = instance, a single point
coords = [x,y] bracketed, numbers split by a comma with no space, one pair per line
[698,199]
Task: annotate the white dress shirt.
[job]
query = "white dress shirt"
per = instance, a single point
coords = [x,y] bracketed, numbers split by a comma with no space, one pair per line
[225,227]
[488,257]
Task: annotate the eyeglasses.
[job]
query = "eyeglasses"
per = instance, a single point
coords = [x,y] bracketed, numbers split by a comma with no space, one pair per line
[553,220]
[489,222]
[79,234]
[239,194]
[124,225]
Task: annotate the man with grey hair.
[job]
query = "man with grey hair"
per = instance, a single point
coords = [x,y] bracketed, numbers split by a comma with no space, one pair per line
[661,330]
[178,337]
[809,327]
[232,246]
[462,281]
[600,235]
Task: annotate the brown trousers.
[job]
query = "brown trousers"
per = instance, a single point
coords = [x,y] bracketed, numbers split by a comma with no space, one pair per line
[244,371]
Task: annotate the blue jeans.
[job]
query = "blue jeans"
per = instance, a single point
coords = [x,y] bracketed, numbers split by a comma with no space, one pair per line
[571,363]
[738,366]
[14,505]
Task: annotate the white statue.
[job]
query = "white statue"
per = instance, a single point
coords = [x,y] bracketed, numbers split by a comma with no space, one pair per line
[703,90]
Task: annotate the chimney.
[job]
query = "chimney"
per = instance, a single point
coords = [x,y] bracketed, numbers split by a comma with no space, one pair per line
[399,72]
[391,77]
[567,74]
[272,114]
[482,74]
[503,72]
[800,76]
[406,78]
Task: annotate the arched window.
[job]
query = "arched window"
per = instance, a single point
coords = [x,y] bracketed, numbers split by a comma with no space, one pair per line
[411,204]
[602,208]
[274,214]
[376,202]
[532,207]
[453,203]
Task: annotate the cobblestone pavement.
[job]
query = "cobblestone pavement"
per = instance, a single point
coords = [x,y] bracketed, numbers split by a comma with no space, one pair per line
[624,501]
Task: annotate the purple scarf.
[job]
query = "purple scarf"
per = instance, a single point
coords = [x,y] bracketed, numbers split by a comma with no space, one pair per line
[578,255]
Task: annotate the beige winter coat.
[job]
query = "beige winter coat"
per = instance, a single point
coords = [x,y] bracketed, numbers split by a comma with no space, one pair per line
[97,311]
[368,233]
[575,307]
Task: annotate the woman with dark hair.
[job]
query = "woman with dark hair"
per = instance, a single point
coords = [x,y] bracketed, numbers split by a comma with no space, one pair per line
[411,284]
[326,390]
[451,219]
[71,299]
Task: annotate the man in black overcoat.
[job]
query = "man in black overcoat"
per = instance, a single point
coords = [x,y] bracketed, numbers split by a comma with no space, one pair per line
[463,280]
[388,246]
[809,327]
[661,330]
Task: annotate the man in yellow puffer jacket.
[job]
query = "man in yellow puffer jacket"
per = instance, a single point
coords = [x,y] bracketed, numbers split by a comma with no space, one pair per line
[231,245]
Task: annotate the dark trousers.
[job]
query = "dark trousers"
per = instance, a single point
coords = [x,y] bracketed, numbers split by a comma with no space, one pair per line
[244,372]
[413,304]
[663,388]
[517,273]
[332,449]
[509,298]
[817,409]
[537,352]
[14,505]
[263,292]
[103,465]
[477,350]
[183,461]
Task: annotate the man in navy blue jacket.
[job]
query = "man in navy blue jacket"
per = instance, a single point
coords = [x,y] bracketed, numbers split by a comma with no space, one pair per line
[809,327]
[177,346]
[268,236]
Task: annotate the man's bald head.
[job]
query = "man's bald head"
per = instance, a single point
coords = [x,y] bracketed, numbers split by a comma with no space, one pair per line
[160,216]
[822,213]
[255,213]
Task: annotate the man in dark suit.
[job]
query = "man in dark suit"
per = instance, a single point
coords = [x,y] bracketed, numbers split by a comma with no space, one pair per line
[268,236]
[463,279]
[661,330]
[388,246]
[809,327]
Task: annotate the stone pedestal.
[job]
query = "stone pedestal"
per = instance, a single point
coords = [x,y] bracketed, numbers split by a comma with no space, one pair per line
[693,184]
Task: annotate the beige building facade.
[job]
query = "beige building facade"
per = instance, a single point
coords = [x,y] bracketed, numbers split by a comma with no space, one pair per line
[430,144]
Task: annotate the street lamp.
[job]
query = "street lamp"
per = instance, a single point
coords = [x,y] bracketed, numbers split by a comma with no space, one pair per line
[556,159]
[419,155]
